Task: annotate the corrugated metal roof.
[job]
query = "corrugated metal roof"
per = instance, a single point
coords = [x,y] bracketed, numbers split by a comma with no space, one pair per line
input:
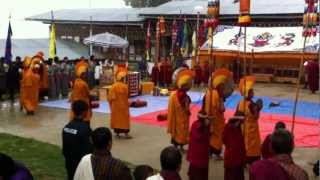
[98,15]
[29,47]
[227,7]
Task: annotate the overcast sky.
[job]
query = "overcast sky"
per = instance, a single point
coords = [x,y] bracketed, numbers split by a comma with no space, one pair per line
[24,8]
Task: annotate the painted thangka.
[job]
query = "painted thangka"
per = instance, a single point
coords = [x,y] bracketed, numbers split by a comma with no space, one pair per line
[262,39]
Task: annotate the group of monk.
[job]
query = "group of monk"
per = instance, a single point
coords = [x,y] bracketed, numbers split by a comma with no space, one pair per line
[161,73]
[179,113]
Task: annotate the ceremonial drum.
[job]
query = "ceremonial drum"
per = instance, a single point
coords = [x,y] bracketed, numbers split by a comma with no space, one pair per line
[133,80]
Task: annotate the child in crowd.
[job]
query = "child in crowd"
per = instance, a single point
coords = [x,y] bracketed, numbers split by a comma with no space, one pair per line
[198,152]
[235,152]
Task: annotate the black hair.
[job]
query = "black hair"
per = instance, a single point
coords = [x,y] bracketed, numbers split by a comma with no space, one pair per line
[101,138]
[280,125]
[170,158]
[142,172]
[282,142]
[79,107]
[56,59]
[18,58]
[7,166]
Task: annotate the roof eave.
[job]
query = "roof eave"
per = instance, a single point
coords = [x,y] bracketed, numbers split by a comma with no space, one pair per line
[48,21]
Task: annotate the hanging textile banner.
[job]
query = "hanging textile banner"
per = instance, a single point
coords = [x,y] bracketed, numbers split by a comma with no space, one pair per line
[262,39]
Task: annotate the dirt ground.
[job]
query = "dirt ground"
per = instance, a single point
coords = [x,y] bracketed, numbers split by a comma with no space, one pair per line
[147,142]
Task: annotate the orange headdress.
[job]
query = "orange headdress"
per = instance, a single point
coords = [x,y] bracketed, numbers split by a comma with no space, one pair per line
[184,77]
[26,62]
[246,84]
[81,67]
[121,73]
[220,76]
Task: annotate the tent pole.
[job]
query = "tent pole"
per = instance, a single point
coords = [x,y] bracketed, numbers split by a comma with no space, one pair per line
[298,85]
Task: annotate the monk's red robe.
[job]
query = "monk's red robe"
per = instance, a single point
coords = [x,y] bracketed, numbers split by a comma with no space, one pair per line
[198,71]
[198,152]
[234,154]
[155,74]
[313,76]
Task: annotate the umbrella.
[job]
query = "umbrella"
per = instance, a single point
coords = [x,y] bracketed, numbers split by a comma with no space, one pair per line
[106,40]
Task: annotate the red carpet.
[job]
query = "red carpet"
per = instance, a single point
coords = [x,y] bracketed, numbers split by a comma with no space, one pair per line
[306,130]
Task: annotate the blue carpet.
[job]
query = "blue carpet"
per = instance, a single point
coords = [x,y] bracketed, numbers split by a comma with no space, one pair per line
[304,109]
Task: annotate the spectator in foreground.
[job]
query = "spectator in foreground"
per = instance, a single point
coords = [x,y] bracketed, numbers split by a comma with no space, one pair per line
[199,148]
[12,170]
[235,152]
[171,160]
[281,166]
[282,144]
[100,164]
[142,172]
[76,138]
[266,150]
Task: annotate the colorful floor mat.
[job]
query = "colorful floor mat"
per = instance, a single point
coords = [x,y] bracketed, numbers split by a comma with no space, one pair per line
[306,130]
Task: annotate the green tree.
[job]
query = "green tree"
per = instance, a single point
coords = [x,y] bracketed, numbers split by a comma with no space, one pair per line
[145,3]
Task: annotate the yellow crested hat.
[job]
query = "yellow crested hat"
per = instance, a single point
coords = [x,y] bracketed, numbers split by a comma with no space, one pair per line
[185,77]
[220,76]
[246,84]
[27,61]
[121,73]
[81,67]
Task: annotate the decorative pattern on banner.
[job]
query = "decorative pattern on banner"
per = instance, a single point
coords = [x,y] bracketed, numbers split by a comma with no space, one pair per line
[262,39]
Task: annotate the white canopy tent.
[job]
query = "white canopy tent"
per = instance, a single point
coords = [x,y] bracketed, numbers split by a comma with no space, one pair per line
[107,40]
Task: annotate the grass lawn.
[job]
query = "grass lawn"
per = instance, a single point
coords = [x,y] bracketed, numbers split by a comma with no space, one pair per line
[44,160]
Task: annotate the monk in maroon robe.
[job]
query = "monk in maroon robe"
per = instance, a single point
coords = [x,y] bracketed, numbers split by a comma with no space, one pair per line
[162,73]
[198,72]
[155,74]
[199,148]
[169,73]
[205,74]
[235,152]
[313,76]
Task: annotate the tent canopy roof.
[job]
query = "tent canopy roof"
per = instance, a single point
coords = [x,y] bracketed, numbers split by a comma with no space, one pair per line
[227,7]
[106,40]
[96,16]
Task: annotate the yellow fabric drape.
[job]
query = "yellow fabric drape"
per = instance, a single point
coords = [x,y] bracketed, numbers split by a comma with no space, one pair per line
[52,45]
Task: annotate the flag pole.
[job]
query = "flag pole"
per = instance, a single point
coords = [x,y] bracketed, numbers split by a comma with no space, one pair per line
[90,32]
[299,78]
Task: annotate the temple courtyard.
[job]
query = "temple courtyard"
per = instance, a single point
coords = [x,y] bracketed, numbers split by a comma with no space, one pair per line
[148,140]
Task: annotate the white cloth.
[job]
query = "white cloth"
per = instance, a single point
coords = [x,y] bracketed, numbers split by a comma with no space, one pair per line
[155,177]
[97,72]
[84,169]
